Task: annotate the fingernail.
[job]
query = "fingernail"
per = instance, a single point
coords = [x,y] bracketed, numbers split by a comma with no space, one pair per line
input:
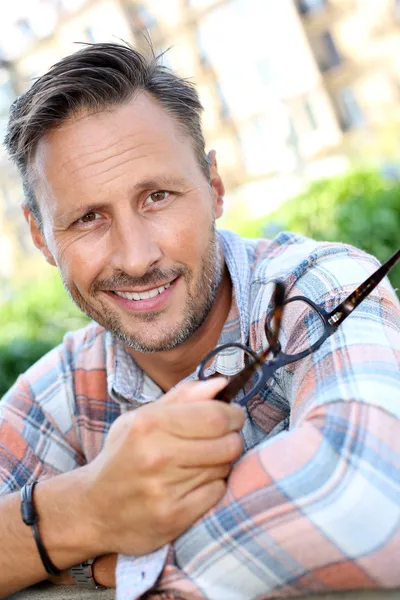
[220,379]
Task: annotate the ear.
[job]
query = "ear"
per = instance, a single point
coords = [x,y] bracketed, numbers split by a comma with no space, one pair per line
[37,235]
[218,189]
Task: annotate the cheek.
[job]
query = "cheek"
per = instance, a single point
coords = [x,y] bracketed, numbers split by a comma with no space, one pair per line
[79,260]
[185,239]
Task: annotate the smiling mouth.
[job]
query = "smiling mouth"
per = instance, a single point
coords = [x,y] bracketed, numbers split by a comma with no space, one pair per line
[143,295]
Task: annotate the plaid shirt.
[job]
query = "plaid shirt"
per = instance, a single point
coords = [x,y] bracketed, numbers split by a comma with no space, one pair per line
[314,503]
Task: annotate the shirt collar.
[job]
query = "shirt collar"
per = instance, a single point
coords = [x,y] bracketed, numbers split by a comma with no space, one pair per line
[127,383]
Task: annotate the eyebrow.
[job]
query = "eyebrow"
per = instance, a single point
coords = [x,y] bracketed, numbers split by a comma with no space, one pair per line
[160,182]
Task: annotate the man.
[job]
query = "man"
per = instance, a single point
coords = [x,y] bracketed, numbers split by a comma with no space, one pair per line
[132,454]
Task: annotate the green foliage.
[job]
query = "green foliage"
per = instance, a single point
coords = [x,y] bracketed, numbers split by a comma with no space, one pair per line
[16,357]
[360,208]
[33,319]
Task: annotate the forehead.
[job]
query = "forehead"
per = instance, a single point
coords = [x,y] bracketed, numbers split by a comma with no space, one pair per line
[93,148]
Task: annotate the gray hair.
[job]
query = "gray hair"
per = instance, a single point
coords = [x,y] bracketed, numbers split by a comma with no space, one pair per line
[97,77]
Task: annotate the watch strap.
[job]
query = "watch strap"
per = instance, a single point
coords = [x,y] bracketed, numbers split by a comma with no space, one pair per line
[82,574]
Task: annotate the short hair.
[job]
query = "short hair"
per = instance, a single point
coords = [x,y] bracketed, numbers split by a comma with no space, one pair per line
[97,77]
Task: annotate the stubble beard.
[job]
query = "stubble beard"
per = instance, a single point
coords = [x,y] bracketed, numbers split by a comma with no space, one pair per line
[198,305]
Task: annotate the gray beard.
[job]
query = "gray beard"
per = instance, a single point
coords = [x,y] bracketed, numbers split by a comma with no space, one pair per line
[197,308]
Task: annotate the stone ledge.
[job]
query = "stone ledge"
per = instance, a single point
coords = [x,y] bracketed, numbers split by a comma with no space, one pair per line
[46,591]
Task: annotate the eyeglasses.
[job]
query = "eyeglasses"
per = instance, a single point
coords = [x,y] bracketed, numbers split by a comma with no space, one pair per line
[308,324]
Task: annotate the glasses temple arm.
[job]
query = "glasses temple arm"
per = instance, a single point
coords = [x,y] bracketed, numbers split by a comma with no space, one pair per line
[237,383]
[338,315]
[273,334]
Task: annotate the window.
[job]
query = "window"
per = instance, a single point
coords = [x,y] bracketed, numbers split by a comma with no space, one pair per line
[24,26]
[259,154]
[7,94]
[91,35]
[266,71]
[200,38]
[293,140]
[200,4]
[145,18]
[223,105]
[311,119]
[351,114]
[327,54]
[71,5]
[310,6]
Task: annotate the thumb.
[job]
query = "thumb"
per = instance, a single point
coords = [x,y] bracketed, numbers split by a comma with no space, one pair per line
[193,391]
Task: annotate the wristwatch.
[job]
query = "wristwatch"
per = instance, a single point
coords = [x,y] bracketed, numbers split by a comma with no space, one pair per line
[82,574]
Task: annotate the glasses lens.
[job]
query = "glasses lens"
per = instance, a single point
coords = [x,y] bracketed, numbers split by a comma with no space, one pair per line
[301,327]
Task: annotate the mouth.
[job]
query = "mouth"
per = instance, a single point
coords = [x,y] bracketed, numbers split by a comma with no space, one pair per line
[145,295]
[145,300]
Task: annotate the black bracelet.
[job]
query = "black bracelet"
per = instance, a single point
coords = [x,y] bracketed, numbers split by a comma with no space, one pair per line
[30,518]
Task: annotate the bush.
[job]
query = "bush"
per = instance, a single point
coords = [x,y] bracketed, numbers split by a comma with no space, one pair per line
[33,320]
[361,208]
[38,310]
[16,357]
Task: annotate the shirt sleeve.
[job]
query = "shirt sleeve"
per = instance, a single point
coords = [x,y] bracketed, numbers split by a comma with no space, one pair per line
[317,507]
[37,434]
[361,360]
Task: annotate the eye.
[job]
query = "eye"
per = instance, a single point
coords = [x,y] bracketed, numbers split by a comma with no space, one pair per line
[155,197]
[89,217]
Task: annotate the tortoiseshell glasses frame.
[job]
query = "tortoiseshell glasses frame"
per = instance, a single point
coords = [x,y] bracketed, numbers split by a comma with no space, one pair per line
[330,321]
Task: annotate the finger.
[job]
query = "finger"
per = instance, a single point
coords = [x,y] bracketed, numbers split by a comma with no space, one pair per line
[207,453]
[190,391]
[199,477]
[202,419]
[200,500]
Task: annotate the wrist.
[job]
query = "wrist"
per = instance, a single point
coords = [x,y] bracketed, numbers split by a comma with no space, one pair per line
[66,527]
[83,574]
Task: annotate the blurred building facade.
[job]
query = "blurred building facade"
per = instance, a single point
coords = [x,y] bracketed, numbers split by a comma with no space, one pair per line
[289,87]
[356,45]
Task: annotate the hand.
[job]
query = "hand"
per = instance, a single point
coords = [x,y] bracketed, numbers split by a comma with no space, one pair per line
[162,467]
[104,570]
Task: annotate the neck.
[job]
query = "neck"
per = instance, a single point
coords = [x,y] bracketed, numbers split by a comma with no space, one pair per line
[168,368]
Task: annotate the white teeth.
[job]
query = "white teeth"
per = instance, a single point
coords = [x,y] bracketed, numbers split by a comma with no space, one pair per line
[143,295]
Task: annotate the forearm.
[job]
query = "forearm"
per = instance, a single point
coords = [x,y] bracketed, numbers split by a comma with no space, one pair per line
[65,527]
[314,509]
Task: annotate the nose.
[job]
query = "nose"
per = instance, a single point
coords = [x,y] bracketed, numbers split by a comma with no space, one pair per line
[134,245]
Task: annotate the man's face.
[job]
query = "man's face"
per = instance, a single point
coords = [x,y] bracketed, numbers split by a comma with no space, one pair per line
[129,221]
